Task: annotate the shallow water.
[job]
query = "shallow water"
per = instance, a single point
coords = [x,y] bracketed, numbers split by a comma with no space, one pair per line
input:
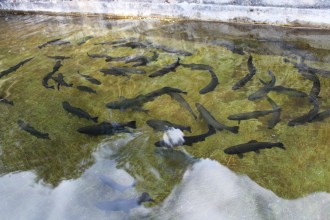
[68,155]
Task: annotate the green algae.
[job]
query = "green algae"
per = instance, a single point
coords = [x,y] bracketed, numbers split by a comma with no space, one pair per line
[301,169]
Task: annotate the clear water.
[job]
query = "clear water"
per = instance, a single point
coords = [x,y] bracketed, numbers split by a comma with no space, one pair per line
[71,161]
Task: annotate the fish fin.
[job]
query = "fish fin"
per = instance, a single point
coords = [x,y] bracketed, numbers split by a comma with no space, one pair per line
[58,86]
[240,156]
[253,141]
[234,129]
[95,119]
[131,124]
[257,151]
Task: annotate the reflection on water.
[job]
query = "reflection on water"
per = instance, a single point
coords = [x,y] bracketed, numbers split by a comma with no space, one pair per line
[66,158]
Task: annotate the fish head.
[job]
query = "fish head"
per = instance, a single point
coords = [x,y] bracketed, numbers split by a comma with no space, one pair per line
[229,151]
[145,197]
[114,105]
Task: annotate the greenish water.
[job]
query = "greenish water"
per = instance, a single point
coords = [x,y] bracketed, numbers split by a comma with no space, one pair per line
[301,169]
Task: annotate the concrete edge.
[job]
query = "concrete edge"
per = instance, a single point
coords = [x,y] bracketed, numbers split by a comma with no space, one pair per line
[297,17]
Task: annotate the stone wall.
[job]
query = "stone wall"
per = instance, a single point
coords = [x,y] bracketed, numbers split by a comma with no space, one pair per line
[315,13]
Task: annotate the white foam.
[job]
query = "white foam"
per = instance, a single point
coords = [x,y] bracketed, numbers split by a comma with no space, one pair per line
[173,137]
[210,191]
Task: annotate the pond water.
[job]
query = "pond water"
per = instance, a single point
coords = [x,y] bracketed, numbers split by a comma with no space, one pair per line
[71,175]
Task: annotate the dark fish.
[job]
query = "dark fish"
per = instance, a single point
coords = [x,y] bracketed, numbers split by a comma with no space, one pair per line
[6,101]
[78,112]
[121,71]
[170,50]
[121,41]
[60,81]
[170,68]
[49,75]
[49,42]
[28,128]
[54,42]
[190,140]
[210,120]
[250,115]
[251,146]
[195,66]
[230,46]
[263,91]
[99,56]
[114,185]
[308,116]
[132,45]
[183,102]
[289,91]
[86,89]
[59,57]
[211,86]
[90,79]
[303,68]
[14,68]
[142,60]
[124,205]
[321,116]
[248,77]
[316,88]
[161,125]
[137,102]
[276,114]
[84,40]
[106,128]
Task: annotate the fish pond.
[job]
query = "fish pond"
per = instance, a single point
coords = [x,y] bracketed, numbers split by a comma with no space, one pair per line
[77,93]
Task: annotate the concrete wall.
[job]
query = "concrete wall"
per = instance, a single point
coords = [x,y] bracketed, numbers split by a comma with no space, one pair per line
[315,13]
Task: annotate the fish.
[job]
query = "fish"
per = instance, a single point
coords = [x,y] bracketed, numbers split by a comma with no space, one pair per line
[183,102]
[54,42]
[132,44]
[263,91]
[120,41]
[84,40]
[60,81]
[251,115]
[162,125]
[121,71]
[28,128]
[114,185]
[190,140]
[99,56]
[210,120]
[106,128]
[15,67]
[304,68]
[196,66]
[137,102]
[289,91]
[252,145]
[169,68]
[321,116]
[316,88]
[90,79]
[6,101]
[229,45]
[49,75]
[248,77]
[276,114]
[59,57]
[86,89]
[308,116]
[124,205]
[211,86]
[170,50]
[142,60]
[78,112]
[49,42]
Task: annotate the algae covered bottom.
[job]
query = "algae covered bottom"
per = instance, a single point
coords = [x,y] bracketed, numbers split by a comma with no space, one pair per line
[61,74]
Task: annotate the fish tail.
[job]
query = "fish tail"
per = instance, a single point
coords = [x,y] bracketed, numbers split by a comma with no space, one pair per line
[280,145]
[131,124]
[234,129]
[189,129]
[95,119]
